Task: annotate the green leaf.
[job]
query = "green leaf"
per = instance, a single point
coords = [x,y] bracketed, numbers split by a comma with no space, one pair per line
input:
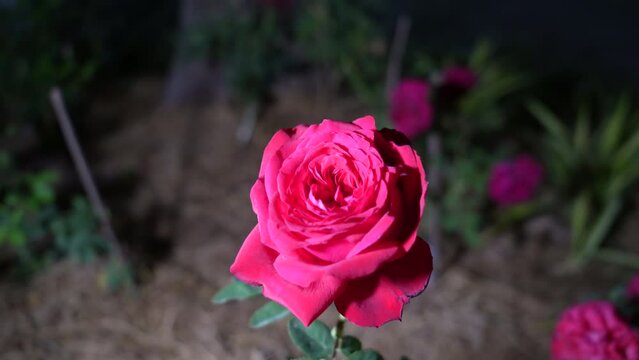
[628,151]
[619,257]
[579,215]
[268,314]
[601,227]
[236,290]
[350,344]
[548,120]
[613,127]
[315,340]
[365,355]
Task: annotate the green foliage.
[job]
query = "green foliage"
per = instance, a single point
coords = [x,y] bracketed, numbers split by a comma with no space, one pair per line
[75,234]
[592,168]
[342,36]
[116,276]
[268,314]
[236,290]
[350,345]
[465,195]
[482,110]
[315,341]
[30,220]
[468,122]
[27,205]
[365,355]
[34,57]
[249,41]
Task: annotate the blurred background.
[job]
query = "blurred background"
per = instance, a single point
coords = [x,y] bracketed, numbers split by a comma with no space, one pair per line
[525,115]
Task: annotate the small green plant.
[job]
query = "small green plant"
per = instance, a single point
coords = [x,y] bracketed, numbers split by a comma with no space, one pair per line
[34,56]
[34,229]
[468,118]
[75,233]
[465,196]
[316,342]
[249,41]
[592,167]
[341,38]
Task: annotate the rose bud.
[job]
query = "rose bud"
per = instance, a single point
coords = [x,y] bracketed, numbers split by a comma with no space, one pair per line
[338,207]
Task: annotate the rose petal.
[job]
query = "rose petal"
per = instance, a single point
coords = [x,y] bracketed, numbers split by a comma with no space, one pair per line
[254,265]
[380,297]
[366,122]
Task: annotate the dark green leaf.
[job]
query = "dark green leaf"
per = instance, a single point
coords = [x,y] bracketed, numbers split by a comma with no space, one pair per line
[548,120]
[236,290]
[365,355]
[613,127]
[601,227]
[268,314]
[350,344]
[315,340]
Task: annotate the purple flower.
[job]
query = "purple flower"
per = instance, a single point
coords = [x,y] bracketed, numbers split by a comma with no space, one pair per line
[516,181]
[411,112]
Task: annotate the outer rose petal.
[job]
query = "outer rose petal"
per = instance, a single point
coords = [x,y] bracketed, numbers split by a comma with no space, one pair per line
[254,265]
[366,122]
[380,297]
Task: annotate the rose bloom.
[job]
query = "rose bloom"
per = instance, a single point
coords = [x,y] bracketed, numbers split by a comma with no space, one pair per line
[515,181]
[338,206]
[411,112]
[632,289]
[594,331]
[459,77]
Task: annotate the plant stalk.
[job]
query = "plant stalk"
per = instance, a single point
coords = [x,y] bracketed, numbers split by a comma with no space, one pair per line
[339,333]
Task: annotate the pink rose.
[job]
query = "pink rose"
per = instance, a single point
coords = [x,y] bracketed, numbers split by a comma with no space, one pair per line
[632,289]
[338,206]
[459,77]
[594,331]
[515,181]
[411,112]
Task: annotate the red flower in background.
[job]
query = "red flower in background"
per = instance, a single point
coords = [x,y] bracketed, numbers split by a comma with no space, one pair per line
[594,331]
[411,112]
[459,77]
[632,289]
[515,181]
[338,207]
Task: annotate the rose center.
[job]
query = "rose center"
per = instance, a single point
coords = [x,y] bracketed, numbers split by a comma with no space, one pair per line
[331,186]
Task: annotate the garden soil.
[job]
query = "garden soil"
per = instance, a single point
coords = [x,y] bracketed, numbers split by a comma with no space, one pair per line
[176,180]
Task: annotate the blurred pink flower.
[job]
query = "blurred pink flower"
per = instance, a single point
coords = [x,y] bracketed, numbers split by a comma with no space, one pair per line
[515,181]
[593,331]
[459,77]
[632,289]
[411,112]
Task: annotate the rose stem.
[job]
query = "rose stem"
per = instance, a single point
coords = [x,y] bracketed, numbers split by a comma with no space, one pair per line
[339,332]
